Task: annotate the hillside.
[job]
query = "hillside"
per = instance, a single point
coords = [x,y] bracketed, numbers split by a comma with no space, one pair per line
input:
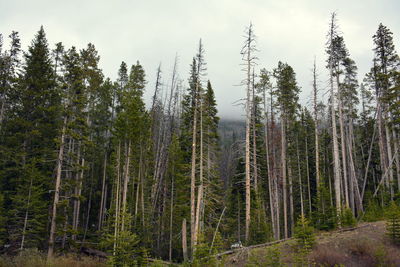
[365,245]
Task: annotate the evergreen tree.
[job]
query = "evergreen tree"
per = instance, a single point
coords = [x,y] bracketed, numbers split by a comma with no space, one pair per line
[287,98]
[393,223]
[35,129]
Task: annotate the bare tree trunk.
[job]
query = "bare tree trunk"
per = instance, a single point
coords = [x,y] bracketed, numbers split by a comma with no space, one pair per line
[247,155]
[273,174]
[117,198]
[354,182]
[103,192]
[201,186]
[317,174]
[238,219]
[284,168]
[255,172]
[57,190]
[64,239]
[308,180]
[389,155]
[269,173]
[193,175]
[198,207]
[88,208]
[78,192]
[336,158]
[184,242]
[249,61]
[382,153]
[171,219]
[26,214]
[291,204]
[396,150]
[300,182]
[126,181]
[343,144]
[337,176]
[369,159]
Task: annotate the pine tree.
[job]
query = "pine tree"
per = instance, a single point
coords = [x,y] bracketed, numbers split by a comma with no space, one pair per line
[384,76]
[305,240]
[393,222]
[36,109]
[287,97]
[9,66]
[72,131]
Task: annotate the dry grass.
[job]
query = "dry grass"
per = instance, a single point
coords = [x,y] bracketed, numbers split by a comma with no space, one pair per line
[327,256]
[362,247]
[34,258]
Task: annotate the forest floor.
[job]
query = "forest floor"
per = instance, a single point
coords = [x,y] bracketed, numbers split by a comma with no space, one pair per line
[365,245]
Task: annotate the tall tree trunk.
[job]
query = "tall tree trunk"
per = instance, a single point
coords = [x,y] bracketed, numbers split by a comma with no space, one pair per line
[26,214]
[57,190]
[300,182]
[78,192]
[103,192]
[269,172]
[117,198]
[171,219]
[201,186]
[193,175]
[389,155]
[317,173]
[255,172]
[308,180]
[184,242]
[343,143]
[291,204]
[284,168]
[273,174]
[89,207]
[396,153]
[247,150]
[126,182]
[354,181]
[335,151]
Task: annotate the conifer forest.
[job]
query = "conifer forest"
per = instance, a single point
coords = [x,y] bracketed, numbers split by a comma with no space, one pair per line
[88,165]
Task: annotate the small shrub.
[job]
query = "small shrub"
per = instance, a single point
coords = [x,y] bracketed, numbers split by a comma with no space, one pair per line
[364,251]
[324,215]
[304,234]
[29,257]
[272,258]
[202,255]
[373,212]
[327,256]
[380,256]
[393,223]
[347,218]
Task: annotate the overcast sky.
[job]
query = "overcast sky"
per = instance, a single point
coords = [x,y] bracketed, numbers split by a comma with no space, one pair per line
[154,31]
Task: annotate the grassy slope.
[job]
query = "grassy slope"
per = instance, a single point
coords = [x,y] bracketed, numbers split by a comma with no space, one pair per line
[365,246]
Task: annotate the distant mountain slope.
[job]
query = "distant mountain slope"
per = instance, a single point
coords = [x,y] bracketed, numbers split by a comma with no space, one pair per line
[230,131]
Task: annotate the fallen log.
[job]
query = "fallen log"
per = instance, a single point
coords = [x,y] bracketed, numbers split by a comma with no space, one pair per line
[251,247]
